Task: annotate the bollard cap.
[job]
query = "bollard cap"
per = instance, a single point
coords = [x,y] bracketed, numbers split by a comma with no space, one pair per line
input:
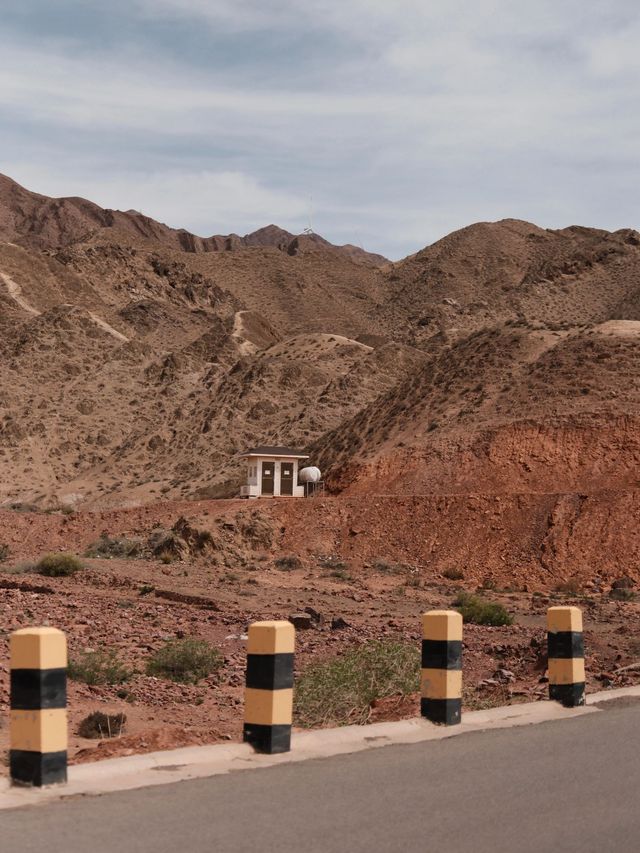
[442,625]
[38,648]
[564,619]
[271,638]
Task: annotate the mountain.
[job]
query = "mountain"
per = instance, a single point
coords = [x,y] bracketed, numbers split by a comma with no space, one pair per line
[41,222]
[138,361]
[133,365]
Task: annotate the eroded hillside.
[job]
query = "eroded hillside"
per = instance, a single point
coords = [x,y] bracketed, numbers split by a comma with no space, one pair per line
[137,362]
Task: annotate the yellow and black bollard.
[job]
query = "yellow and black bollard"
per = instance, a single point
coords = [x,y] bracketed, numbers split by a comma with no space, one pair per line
[38,750]
[269,687]
[565,645]
[442,667]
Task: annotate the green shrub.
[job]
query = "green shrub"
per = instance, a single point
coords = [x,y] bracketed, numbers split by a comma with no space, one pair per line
[340,691]
[58,565]
[100,667]
[479,611]
[115,546]
[185,661]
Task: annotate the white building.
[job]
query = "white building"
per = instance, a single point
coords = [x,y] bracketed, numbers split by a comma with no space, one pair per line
[273,472]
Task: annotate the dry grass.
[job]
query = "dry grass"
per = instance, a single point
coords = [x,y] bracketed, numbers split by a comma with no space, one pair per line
[99,667]
[186,661]
[340,691]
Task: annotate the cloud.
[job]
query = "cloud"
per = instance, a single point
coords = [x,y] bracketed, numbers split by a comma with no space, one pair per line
[403,119]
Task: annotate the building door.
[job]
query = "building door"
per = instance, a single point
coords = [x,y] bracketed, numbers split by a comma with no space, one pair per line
[267,478]
[286,478]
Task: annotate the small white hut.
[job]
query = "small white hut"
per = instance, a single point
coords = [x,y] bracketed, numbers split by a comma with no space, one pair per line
[273,472]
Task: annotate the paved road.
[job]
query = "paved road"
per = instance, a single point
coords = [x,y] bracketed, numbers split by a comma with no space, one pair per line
[563,787]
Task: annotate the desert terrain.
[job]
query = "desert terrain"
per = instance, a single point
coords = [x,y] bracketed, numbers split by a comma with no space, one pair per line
[475,410]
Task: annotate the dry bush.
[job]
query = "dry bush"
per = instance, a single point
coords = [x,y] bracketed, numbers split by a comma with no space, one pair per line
[287,563]
[453,574]
[115,546]
[340,691]
[186,661]
[99,725]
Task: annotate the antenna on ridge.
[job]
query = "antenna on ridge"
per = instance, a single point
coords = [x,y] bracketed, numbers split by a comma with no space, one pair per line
[309,228]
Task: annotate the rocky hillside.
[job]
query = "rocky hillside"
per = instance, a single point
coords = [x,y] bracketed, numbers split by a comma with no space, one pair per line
[137,361]
[506,409]
[131,368]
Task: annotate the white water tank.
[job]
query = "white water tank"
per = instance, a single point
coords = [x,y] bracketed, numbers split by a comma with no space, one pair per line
[310,474]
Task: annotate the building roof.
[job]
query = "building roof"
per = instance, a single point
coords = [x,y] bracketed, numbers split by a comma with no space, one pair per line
[276,451]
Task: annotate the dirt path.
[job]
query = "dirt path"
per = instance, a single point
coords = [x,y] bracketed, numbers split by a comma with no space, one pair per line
[15,292]
[109,329]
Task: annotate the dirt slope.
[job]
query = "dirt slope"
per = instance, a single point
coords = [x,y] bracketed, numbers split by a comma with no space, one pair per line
[504,410]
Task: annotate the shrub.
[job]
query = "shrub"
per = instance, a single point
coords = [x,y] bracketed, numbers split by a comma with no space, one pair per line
[453,574]
[166,557]
[185,661]
[115,546]
[58,565]
[622,594]
[287,564]
[340,691]
[100,667]
[4,552]
[479,611]
[99,725]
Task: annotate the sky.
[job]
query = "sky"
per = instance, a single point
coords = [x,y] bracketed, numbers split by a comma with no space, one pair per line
[386,123]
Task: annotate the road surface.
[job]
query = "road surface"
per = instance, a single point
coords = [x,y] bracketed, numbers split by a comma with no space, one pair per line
[561,786]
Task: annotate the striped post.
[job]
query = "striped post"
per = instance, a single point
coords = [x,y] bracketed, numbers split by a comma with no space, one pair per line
[565,645]
[268,710]
[442,667]
[38,751]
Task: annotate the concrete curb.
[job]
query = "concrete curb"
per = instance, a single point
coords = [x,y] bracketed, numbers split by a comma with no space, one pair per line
[162,768]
